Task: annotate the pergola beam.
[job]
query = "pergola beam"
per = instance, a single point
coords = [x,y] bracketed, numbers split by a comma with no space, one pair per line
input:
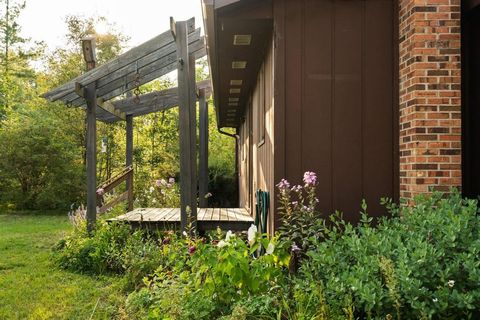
[137,74]
[123,60]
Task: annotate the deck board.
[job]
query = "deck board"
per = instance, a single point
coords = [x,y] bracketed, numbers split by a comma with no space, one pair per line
[207,218]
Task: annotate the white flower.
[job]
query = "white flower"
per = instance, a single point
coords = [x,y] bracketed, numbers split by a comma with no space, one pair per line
[252,231]
[151,189]
[451,283]
[229,235]
[154,201]
[435,300]
[270,248]
[222,244]
[185,233]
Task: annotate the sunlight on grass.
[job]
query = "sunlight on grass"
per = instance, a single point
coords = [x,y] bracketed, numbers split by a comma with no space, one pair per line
[32,287]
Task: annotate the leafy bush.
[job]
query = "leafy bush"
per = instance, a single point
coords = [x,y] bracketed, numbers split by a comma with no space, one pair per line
[113,247]
[212,278]
[422,263]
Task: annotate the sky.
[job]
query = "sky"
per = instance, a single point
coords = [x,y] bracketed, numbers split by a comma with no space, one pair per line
[141,20]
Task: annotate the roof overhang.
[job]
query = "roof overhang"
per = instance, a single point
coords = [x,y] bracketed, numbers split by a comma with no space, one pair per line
[237,33]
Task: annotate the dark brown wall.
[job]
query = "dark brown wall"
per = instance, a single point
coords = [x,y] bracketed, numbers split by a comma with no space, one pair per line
[335,99]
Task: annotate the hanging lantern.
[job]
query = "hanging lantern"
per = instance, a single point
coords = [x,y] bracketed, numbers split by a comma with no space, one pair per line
[104,145]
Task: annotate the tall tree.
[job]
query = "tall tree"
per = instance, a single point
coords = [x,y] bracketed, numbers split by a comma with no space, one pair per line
[16,54]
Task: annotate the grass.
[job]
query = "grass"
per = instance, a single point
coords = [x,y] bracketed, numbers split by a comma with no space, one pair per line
[32,287]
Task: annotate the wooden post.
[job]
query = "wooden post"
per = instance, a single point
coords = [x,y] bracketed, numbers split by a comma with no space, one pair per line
[179,31]
[90,95]
[203,163]
[129,158]
[193,138]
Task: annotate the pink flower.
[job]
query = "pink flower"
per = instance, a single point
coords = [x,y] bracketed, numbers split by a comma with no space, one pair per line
[310,178]
[158,183]
[208,195]
[171,180]
[283,185]
[100,191]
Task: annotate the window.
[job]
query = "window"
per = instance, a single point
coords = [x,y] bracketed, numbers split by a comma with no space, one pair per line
[261,107]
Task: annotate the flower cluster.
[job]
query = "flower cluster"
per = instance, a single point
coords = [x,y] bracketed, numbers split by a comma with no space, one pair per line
[165,183]
[253,237]
[161,193]
[309,178]
[283,185]
[299,198]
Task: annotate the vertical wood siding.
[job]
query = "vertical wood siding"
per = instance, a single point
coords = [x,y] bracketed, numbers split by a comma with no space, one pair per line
[335,102]
[259,174]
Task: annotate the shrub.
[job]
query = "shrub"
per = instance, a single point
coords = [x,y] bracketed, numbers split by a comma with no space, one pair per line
[422,263]
[212,278]
[114,248]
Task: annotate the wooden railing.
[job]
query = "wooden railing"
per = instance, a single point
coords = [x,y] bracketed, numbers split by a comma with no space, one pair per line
[125,175]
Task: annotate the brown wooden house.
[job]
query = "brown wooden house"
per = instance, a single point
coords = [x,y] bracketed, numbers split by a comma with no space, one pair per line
[366,93]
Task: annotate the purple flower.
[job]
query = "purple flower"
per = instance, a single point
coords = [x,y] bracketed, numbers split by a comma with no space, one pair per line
[297,188]
[171,180]
[310,178]
[158,183]
[166,240]
[100,191]
[192,250]
[283,185]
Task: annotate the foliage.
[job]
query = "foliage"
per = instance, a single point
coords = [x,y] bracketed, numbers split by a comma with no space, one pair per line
[422,263]
[113,248]
[213,277]
[38,161]
[16,54]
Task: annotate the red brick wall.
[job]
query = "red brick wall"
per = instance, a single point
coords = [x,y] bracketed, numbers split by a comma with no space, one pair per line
[430,110]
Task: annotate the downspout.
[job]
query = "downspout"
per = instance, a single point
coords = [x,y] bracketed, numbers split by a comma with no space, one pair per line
[237,139]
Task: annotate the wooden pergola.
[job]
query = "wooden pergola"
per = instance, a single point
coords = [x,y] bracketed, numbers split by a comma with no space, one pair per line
[105,93]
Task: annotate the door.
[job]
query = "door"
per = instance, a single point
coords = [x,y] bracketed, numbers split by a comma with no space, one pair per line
[471,100]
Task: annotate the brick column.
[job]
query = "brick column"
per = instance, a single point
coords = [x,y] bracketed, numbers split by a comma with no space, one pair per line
[430,109]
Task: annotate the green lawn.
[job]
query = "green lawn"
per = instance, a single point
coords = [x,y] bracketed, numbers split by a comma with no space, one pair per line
[32,287]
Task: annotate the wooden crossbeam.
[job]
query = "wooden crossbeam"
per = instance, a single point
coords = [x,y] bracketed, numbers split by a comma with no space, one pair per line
[123,60]
[109,107]
[152,102]
[125,80]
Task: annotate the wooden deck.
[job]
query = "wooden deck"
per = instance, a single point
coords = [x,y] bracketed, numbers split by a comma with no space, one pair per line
[207,218]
